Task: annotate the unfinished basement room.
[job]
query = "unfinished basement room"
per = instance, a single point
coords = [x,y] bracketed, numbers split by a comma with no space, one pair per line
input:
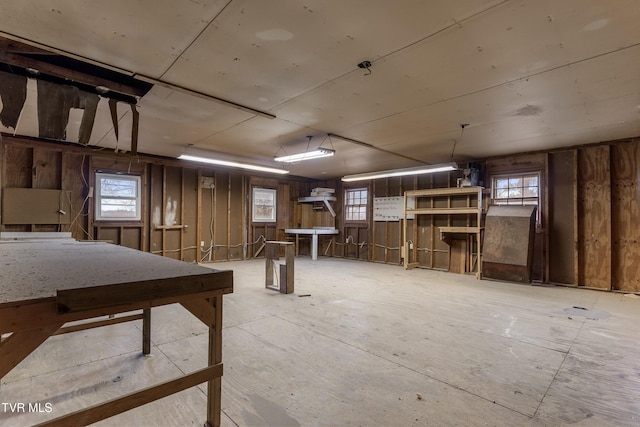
[320,213]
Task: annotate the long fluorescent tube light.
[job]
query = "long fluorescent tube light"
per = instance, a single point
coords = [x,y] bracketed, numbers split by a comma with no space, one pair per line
[441,167]
[232,164]
[315,154]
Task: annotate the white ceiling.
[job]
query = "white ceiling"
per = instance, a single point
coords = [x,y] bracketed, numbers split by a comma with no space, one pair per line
[524,75]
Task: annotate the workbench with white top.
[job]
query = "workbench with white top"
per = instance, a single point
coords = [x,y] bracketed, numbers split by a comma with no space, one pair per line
[313,232]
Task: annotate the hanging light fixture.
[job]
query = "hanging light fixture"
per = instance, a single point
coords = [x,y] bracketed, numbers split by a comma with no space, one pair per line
[441,167]
[306,155]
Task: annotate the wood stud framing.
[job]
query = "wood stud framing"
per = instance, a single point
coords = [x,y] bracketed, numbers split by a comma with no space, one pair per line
[590,228]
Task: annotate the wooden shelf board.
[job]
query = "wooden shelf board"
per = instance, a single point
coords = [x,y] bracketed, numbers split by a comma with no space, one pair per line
[433,192]
[442,211]
[460,229]
[311,199]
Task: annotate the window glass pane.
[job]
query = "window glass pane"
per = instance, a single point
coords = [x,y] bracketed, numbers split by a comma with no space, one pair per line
[502,193]
[117,187]
[118,208]
[531,181]
[515,182]
[502,183]
[531,192]
[515,192]
[263,198]
[501,188]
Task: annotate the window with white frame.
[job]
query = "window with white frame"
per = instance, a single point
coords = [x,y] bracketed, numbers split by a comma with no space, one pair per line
[520,189]
[118,197]
[355,204]
[264,205]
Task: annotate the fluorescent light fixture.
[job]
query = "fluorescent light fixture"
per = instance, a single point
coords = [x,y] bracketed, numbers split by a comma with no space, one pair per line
[315,154]
[441,167]
[232,164]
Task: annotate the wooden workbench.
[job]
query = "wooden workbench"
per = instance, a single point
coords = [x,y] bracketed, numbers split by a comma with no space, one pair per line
[45,283]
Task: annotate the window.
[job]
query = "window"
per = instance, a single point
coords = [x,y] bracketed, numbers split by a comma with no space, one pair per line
[355,205]
[518,190]
[264,205]
[117,197]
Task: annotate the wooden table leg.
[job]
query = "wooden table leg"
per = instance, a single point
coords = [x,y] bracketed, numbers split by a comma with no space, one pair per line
[289,259]
[209,311]
[146,331]
[214,387]
[20,344]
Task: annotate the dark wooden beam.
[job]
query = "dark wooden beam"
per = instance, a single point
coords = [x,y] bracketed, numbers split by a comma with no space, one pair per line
[12,46]
[69,74]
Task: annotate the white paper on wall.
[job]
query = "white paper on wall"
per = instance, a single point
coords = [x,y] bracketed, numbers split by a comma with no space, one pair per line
[391,208]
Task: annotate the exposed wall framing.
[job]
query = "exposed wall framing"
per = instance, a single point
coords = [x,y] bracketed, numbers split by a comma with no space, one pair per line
[40,167]
[590,235]
[133,234]
[188,213]
[562,256]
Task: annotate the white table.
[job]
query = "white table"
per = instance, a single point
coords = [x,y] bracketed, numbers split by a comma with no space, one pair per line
[314,236]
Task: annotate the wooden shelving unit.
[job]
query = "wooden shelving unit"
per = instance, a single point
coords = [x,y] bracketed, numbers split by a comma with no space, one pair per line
[473,209]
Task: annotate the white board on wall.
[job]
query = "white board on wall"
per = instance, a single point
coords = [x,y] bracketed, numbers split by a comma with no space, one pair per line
[391,208]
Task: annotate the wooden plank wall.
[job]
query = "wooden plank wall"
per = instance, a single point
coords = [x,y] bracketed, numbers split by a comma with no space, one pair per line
[173,197]
[432,252]
[386,239]
[625,217]
[428,250]
[592,223]
[594,213]
[236,239]
[536,162]
[562,261]
[132,234]
[43,168]
[591,213]
[259,231]
[305,216]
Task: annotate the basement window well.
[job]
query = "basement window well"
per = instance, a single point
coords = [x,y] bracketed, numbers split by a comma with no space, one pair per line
[117,197]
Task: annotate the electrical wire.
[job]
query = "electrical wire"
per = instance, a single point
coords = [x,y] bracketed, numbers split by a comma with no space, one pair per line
[260,239]
[208,252]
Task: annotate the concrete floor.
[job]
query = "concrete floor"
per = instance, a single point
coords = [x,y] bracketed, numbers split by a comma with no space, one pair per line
[363,344]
